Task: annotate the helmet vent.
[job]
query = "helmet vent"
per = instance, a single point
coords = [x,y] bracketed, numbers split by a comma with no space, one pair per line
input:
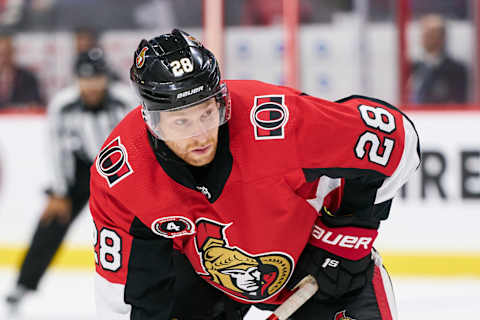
[155,96]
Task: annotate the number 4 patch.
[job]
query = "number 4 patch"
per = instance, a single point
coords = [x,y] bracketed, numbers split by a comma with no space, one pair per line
[174,226]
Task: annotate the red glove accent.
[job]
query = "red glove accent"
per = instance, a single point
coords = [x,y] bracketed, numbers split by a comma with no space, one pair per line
[352,243]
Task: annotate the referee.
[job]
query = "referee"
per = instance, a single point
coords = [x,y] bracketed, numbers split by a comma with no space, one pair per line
[80,118]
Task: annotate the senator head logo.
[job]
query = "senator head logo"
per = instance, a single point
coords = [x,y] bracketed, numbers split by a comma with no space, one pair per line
[194,40]
[240,274]
[112,162]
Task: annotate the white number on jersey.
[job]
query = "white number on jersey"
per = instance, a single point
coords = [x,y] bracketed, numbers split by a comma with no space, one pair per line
[380,119]
[373,154]
[110,249]
[95,241]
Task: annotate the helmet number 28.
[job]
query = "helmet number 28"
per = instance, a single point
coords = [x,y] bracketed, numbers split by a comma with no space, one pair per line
[182,66]
[378,119]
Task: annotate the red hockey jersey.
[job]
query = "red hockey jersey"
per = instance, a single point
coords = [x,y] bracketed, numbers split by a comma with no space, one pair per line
[291,157]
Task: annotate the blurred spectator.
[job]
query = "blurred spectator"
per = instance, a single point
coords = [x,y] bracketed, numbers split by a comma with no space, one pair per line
[437,78]
[86,39]
[80,117]
[19,87]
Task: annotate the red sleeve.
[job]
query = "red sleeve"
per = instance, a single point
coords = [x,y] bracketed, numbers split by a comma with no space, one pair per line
[134,268]
[367,144]
[356,133]
[113,242]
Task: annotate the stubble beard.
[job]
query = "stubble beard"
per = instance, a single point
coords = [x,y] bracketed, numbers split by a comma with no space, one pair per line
[192,159]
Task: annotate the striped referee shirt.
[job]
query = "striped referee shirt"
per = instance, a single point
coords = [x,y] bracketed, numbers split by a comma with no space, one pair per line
[78,132]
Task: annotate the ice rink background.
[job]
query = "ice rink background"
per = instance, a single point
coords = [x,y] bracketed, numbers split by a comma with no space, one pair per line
[69,295]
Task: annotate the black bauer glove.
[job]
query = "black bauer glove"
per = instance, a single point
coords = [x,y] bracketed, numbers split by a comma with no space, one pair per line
[339,258]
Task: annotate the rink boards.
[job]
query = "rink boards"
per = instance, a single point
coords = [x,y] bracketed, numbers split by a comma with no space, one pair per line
[432,229]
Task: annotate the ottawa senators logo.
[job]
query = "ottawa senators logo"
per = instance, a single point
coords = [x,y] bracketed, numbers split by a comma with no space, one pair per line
[140,61]
[269,115]
[194,40]
[245,276]
[112,162]
[342,316]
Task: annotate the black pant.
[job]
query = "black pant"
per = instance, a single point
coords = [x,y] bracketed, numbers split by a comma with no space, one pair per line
[197,300]
[48,238]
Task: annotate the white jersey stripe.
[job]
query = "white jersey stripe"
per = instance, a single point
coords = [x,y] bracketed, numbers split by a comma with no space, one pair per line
[387,285]
[408,164]
[325,186]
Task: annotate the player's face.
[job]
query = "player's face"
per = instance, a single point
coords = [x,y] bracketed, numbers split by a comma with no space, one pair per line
[248,280]
[200,123]
[433,34]
[92,89]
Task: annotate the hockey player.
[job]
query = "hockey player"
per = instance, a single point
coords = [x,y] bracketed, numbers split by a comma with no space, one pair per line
[257,185]
[80,117]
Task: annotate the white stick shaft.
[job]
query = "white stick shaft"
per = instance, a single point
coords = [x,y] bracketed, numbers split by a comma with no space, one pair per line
[306,289]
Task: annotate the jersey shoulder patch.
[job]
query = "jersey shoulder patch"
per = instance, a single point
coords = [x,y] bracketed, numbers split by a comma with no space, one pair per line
[269,115]
[112,162]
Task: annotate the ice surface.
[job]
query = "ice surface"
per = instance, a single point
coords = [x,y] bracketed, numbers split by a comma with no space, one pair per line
[69,295]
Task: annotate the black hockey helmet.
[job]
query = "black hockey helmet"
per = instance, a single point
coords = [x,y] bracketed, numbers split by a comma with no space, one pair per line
[172,72]
[91,63]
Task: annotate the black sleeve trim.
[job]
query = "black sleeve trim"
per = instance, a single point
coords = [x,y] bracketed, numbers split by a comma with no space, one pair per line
[359,193]
[358,206]
[151,275]
[358,96]
[311,174]
[364,218]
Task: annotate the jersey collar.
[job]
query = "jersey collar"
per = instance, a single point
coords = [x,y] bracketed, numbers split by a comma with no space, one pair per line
[209,180]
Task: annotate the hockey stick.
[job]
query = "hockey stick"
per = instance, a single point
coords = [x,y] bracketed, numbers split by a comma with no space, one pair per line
[306,289]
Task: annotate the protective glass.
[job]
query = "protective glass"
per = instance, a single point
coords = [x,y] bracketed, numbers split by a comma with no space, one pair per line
[189,120]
